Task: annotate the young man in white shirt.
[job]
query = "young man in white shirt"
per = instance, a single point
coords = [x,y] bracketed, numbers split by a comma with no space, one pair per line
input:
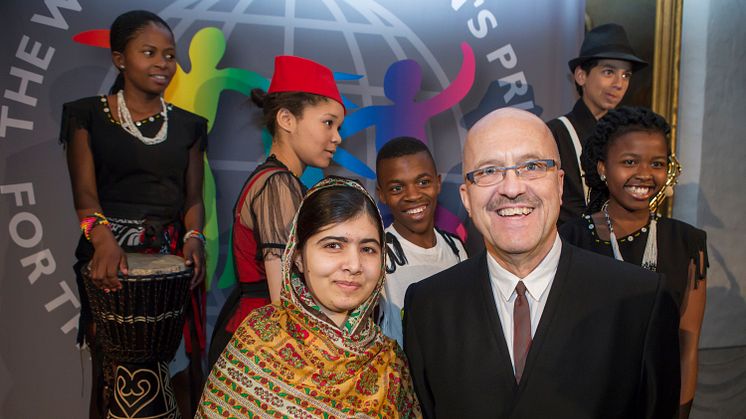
[409,184]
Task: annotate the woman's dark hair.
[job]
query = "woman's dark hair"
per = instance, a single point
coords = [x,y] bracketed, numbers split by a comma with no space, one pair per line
[332,205]
[613,125]
[271,103]
[125,27]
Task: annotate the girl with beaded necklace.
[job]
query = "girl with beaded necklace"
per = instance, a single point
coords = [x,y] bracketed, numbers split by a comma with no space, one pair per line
[627,162]
[136,167]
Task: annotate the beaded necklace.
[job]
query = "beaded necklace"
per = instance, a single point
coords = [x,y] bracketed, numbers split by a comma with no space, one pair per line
[125,120]
[650,256]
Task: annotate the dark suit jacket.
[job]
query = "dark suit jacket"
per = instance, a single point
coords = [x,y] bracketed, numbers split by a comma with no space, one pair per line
[606,345]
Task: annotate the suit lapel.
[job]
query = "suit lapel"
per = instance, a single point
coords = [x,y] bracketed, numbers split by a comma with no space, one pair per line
[493,321]
[554,302]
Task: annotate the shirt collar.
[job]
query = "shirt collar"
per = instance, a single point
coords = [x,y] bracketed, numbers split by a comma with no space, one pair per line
[536,281]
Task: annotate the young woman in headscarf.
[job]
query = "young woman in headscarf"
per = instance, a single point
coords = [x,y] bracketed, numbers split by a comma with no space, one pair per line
[303,112]
[318,352]
[628,162]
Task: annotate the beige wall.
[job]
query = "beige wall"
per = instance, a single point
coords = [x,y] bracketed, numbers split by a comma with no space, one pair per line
[711,192]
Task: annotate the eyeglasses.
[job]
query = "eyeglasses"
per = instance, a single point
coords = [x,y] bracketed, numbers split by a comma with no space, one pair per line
[528,170]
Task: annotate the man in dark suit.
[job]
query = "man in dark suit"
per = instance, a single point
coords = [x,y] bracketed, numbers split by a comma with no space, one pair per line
[534,327]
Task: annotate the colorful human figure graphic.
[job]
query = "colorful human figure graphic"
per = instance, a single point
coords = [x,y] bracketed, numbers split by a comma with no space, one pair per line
[407,117]
[199,91]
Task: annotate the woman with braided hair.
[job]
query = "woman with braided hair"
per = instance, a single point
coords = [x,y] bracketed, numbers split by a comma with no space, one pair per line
[627,163]
[317,352]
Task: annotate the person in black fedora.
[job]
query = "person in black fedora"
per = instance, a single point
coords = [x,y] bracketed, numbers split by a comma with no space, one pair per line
[602,73]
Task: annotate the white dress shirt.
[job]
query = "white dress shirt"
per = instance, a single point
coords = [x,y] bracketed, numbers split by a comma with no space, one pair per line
[538,283]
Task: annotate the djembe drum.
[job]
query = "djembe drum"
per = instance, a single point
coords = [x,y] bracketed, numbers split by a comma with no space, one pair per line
[139,330]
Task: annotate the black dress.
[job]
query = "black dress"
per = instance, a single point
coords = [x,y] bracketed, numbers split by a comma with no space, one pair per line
[142,191]
[134,181]
[678,245]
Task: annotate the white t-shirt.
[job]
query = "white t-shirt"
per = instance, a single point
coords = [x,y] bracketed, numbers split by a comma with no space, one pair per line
[412,264]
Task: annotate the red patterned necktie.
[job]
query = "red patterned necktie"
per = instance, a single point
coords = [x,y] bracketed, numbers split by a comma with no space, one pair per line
[521,330]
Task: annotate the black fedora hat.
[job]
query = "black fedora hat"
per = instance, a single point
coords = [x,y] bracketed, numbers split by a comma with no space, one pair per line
[607,41]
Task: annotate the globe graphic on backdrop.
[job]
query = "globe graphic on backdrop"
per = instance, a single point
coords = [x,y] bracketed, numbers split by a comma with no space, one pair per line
[317,24]
[357,37]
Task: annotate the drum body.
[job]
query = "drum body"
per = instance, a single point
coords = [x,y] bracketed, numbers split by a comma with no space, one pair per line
[139,329]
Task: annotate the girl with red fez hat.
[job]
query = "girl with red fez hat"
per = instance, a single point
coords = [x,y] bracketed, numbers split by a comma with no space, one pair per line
[303,112]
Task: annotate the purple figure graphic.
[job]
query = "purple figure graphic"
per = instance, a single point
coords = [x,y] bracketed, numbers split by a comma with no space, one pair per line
[407,117]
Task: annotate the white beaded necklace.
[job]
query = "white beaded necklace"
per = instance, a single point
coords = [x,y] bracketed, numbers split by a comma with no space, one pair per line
[650,256]
[125,120]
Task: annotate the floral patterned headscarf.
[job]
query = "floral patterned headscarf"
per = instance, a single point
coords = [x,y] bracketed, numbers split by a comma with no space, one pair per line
[358,330]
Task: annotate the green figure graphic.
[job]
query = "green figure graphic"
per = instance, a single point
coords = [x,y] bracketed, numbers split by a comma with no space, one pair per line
[199,91]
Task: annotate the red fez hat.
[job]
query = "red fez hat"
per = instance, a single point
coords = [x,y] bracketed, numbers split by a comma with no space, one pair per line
[296,74]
